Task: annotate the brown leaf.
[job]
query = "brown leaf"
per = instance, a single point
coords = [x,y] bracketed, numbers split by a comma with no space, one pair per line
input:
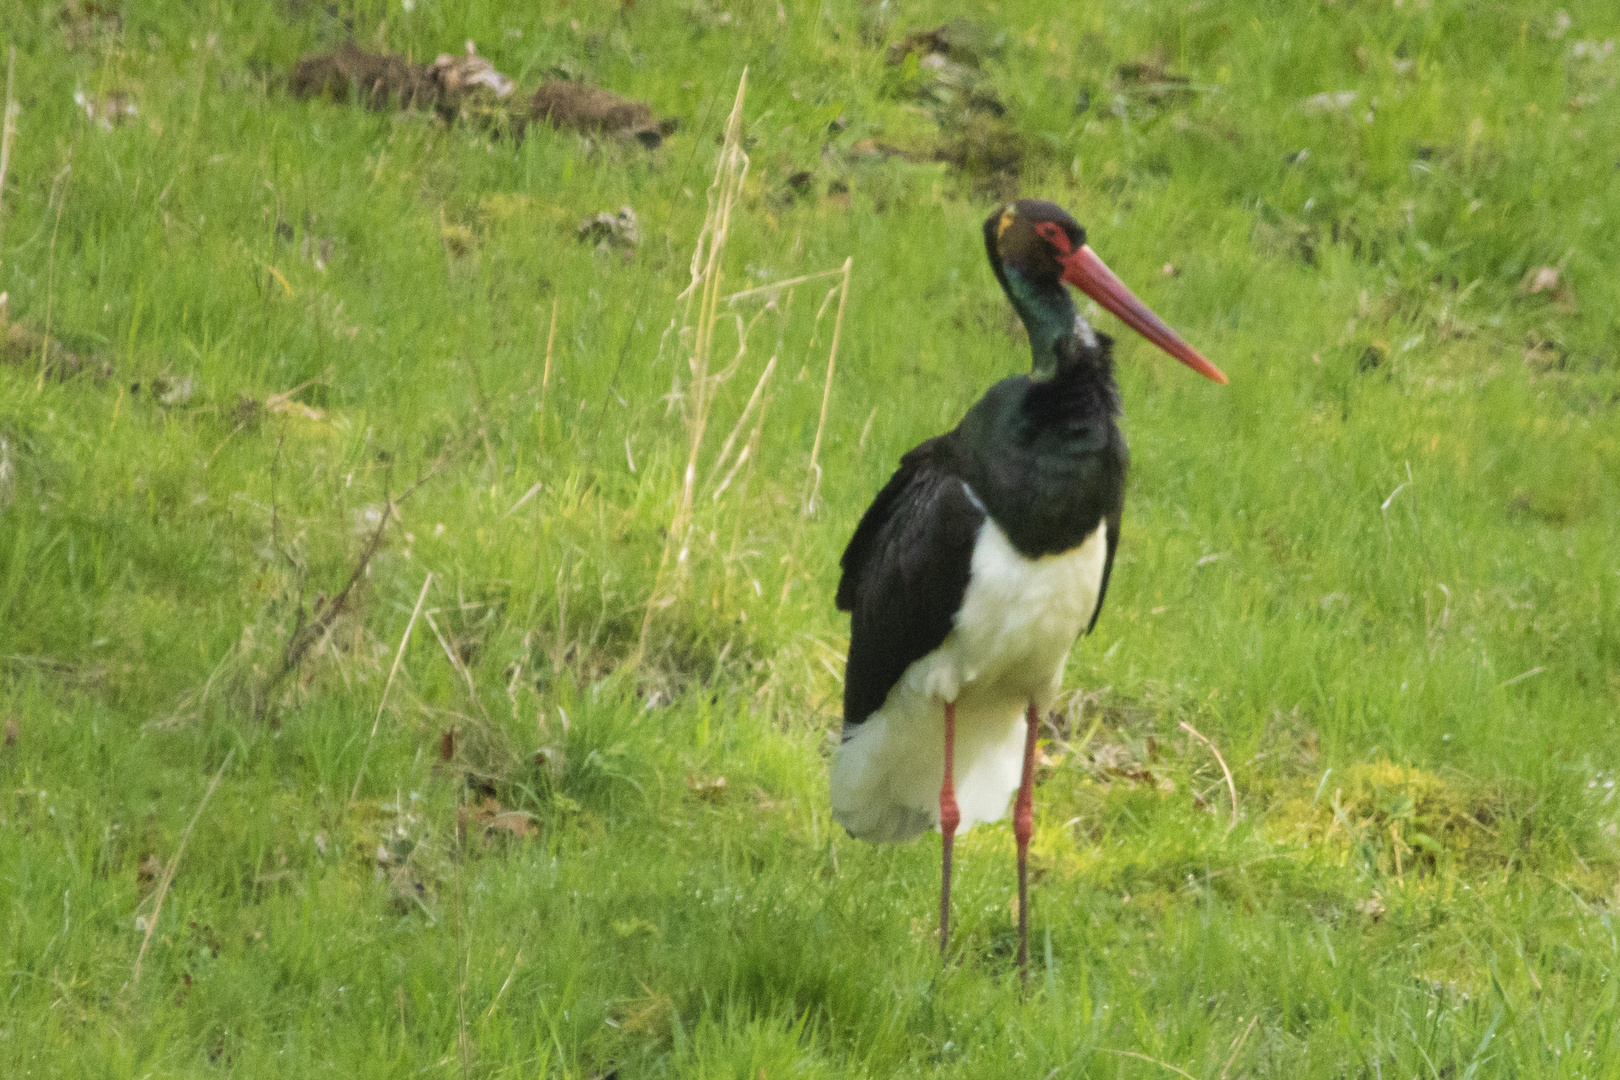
[12,731]
[447,744]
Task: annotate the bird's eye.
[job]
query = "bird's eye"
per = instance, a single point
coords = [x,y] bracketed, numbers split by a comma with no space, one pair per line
[1053,234]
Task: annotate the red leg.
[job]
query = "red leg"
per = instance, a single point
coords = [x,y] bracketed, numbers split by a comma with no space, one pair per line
[949,818]
[1023,826]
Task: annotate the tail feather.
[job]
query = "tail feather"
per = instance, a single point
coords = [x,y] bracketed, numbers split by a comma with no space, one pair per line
[886,775]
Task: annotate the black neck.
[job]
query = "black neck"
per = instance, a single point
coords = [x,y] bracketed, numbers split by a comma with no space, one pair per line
[1049,315]
[1044,455]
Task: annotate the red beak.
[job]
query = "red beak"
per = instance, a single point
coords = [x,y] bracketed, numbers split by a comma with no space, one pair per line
[1086,272]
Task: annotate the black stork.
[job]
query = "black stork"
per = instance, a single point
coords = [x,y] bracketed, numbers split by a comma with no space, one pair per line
[983,558]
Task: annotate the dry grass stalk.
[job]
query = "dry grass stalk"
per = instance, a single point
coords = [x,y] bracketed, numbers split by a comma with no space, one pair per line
[516,960]
[1231,788]
[812,481]
[729,175]
[455,662]
[534,490]
[174,863]
[750,451]
[703,295]
[545,376]
[778,286]
[725,448]
[753,438]
[1151,1060]
[1237,1044]
[8,125]
[62,180]
[399,655]
[694,332]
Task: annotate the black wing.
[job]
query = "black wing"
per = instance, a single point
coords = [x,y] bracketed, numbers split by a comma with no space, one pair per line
[1108,568]
[905,572]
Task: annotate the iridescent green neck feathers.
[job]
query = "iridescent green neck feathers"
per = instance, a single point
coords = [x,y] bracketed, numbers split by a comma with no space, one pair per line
[1049,315]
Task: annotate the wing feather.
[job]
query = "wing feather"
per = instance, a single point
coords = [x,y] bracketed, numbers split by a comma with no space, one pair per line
[1108,567]
[905,572]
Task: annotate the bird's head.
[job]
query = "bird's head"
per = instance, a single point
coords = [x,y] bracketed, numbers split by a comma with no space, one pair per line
[1035,247]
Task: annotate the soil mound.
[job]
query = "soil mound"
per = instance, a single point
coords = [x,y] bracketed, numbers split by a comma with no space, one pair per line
[469,88]
[580,107]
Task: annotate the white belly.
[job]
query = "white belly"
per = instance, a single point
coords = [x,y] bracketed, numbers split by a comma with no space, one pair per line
[1018,620]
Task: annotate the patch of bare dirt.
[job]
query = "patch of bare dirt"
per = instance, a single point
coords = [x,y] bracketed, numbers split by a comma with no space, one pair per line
[943,69]
[377,81]
[580,107]
[469,88]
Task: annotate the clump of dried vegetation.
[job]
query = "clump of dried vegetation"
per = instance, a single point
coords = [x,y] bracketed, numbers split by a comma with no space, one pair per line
[468,88]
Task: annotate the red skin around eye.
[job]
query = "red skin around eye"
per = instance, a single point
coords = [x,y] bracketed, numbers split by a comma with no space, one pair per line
[1053,233]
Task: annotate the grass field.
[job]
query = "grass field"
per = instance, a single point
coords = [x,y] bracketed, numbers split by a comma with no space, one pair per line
[543,795]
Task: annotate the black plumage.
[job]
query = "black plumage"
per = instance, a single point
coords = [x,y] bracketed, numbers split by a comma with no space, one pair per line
[974,568]
[1043,457]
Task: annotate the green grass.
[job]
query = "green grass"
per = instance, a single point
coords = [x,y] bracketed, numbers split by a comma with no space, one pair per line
[1377,571]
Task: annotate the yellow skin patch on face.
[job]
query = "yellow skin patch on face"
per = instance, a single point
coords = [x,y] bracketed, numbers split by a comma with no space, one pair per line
[1007,217]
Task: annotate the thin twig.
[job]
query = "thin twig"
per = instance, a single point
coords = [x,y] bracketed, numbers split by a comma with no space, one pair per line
[1231,788]
[1237,1044]
[399,655]
[174,863]
[1144,1057]
[463,949]
[327,611]
[306,634]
